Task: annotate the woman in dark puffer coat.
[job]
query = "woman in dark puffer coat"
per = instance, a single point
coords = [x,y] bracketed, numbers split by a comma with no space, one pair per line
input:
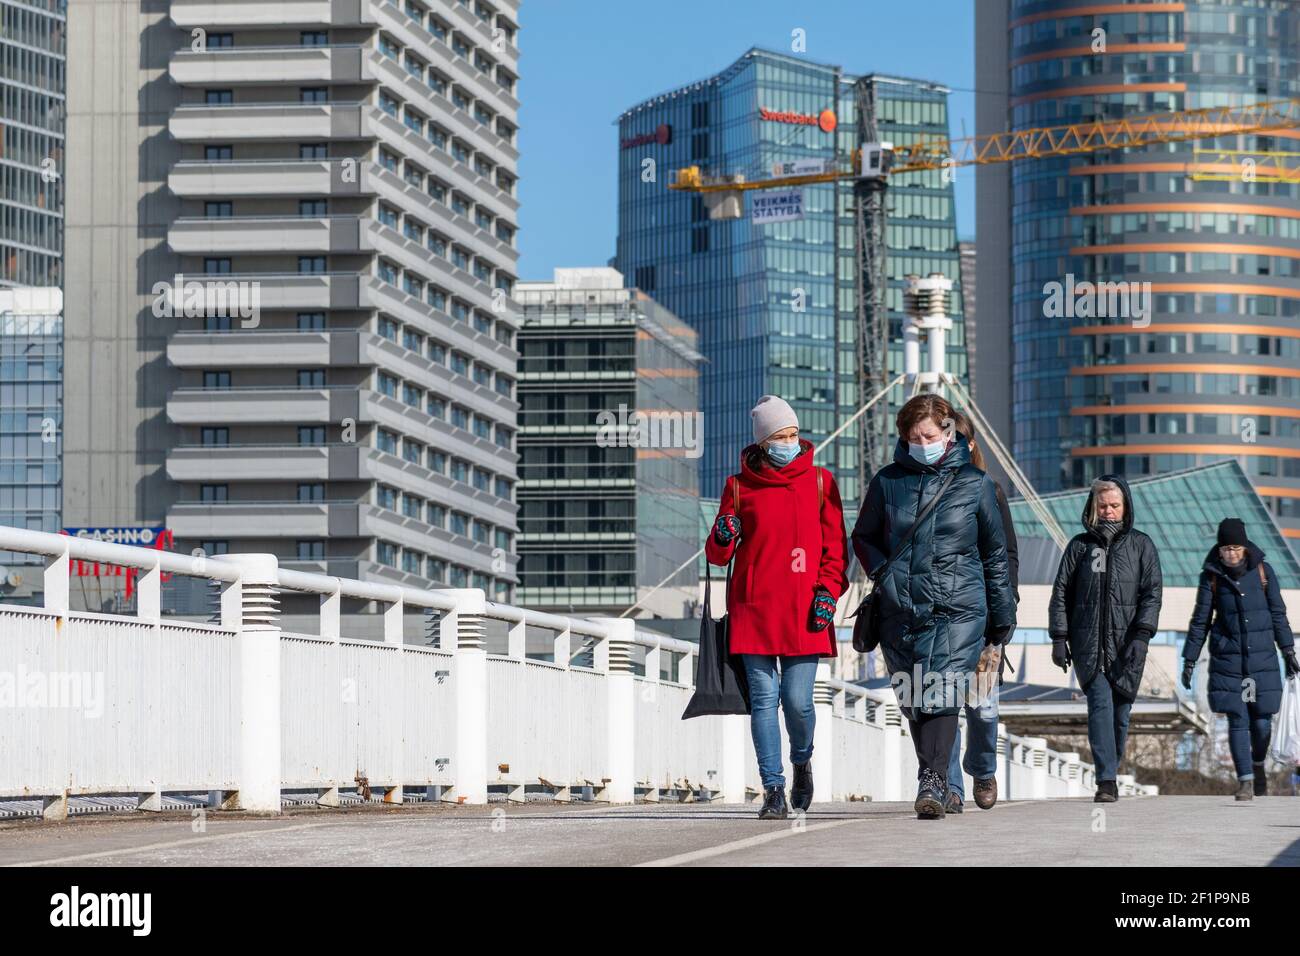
[1250,626]
[1105,607]
[949,591]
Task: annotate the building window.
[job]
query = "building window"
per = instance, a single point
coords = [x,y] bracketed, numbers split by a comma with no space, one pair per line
[459,576]
[459,523]
[217,380]
[412,561]
[413,341]
[437,462]
[436,515]
[311,321]
[387,272]
[214,436]
[389,216]
[313,208]
[212,493]
[387,385]
[389,104]
[311,378]
[386,441]
[437,353]
[313,38]
[311,550]
[413,395]
[313,94]
[386,553]
[216,323]
[459,363]
[413,451]
[460,470]
[311,434]
[311,491]
[436,298]
[218,154]
[413,506]
[460,417]
[311,265]
[218,97]
[218,210]
[388,328]
[388,160]
[213,549]
[313,151]
[504,489]
[214,267]
[386,497]
[437,570]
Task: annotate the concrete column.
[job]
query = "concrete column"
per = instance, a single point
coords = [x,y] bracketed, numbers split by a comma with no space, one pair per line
[614,660]
[461,630]
[1073,775]
[258,652]
[823,734]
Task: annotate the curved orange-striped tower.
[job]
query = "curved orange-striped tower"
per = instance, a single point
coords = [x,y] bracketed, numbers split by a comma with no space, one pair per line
[1155,316]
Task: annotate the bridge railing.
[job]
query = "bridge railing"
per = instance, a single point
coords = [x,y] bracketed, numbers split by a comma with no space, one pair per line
[480,698]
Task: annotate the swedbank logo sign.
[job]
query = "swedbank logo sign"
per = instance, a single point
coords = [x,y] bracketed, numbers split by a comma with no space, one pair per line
[825,120]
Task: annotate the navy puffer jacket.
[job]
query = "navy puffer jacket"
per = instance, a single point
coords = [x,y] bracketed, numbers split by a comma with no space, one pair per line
[1250,626]
[951,586]
[1106,600]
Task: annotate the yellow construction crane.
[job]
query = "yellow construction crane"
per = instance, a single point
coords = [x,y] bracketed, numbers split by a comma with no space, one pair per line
[871,165]
[1244,165]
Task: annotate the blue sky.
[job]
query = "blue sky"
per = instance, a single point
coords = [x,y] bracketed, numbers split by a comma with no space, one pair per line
[582,62]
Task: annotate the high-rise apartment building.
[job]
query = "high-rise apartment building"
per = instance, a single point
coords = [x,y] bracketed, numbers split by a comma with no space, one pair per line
[774,303]
[1212,368]
[609,438]
[292,257]
[32,118]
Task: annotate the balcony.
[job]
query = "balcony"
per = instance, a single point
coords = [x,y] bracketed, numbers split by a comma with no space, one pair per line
[271,177]
[256,348]
[242,122]
[270,234]
[247,66]
[337,462]
[263,519]
[263,405]
[201,294]
[278,13]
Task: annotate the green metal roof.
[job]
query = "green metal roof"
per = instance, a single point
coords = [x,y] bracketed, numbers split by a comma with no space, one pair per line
[1180,511]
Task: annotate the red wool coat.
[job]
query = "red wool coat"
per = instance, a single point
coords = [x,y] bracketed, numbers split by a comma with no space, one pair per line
[787,546]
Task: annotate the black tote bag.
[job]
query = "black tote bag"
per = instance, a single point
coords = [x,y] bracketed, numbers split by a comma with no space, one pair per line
[720,683]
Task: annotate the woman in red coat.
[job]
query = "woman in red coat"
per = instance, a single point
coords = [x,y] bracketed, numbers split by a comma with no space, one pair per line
[782,521]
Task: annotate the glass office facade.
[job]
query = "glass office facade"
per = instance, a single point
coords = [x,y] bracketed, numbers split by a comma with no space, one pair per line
[775,304]
[1216,371]
[609,434]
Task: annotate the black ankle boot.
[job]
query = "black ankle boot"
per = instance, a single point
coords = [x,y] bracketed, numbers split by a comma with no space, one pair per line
[1261,780]
[801,793]
[930,796]
[774,807]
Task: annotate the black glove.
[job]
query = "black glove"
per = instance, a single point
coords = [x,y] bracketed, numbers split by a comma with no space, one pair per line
[996,636]
[1292,665]
[725,529]
[1142,634]
[823,609]
[1188,667]
[1061,653]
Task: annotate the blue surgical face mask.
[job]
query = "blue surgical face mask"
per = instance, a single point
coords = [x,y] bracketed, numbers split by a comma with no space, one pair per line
[783,452]
[927,454]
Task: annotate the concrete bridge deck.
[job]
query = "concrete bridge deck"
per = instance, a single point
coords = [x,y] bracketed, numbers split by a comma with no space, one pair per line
[1143,831]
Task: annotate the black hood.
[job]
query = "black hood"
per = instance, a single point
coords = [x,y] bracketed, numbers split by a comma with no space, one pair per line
[1213,564]
[1125,524]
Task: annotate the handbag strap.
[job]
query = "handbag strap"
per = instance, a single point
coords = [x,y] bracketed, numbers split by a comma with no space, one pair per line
[708,568]
[925,513]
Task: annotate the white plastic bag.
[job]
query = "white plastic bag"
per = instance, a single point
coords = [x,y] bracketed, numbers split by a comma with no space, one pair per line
[1285,746]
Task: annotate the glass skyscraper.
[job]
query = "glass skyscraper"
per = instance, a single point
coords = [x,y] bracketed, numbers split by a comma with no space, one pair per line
[775,303]
[1214,370]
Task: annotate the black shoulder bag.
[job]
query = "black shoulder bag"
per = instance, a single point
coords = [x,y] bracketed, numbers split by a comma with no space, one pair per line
[866,632]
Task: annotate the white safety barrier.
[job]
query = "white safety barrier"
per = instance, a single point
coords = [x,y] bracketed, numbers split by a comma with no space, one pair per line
[243,710]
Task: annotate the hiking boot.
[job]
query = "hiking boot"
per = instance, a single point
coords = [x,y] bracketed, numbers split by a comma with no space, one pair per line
[774,807]
[1245,790]
[801,791]
[953,804]
[1107,792]
[930,796]
[986,792]
[1261,780]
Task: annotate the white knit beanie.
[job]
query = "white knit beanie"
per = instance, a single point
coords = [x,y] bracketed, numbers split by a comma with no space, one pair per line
[770,415]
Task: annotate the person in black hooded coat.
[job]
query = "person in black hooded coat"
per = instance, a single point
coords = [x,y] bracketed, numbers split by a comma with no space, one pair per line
[1239,588]
[1105,607]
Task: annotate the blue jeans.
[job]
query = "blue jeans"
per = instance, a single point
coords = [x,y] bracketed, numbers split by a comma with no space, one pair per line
[792,689]
[1248,736]
[1107,726]
[981,747]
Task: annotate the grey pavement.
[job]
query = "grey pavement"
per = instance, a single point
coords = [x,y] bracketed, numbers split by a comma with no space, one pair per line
[1150,831]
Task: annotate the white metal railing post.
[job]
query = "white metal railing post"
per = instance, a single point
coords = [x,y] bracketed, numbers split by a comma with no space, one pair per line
[394,618]
[733,729]
[1002,747]
[58,569]
[461,632]
[1037,763]
[148,609]
[892,772]
[1073,774]
[614,660]
[258,654]
[824,732]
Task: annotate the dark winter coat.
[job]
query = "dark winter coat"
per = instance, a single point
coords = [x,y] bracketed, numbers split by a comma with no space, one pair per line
[1250,625]
[790,543]
[1106,600]
[951,586]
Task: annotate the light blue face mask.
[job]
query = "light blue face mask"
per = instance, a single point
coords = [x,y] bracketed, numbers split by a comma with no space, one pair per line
[927,454]
[783,452]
